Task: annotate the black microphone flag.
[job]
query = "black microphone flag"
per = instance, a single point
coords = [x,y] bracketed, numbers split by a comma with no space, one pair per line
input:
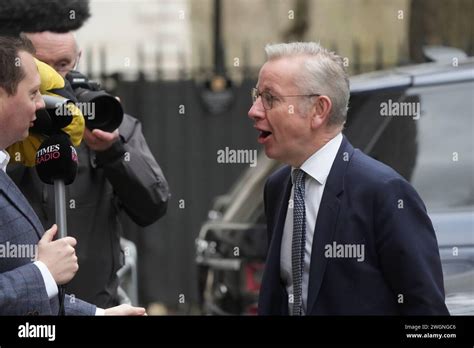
[56,159]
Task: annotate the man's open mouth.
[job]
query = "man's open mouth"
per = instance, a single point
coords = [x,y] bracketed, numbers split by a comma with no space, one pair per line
[264,134]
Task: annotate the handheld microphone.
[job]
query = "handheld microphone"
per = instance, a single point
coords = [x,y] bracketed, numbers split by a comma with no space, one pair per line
[33,16]
[56,164]
[56,159]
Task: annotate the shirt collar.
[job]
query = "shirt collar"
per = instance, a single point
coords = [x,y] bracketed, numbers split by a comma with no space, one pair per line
[4,159]
[319,164]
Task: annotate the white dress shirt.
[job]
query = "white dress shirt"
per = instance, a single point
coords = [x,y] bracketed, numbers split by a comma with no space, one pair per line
[4,159]
[317,168]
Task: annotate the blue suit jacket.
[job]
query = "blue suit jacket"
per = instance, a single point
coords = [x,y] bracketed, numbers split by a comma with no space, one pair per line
[364,202]
[22,289]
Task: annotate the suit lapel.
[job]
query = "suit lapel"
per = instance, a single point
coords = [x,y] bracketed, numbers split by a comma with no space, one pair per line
[282,215]
[274,251]
[326,221]
[16,198]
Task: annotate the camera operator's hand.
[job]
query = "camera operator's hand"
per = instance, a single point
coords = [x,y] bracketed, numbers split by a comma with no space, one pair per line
[125,309]
[98,140]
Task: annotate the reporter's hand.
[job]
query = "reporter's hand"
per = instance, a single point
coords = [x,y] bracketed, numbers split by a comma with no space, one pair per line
[59,256]
[99,140]
[125,309]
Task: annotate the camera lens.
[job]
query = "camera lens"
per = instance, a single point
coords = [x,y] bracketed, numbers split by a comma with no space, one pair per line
[100,109]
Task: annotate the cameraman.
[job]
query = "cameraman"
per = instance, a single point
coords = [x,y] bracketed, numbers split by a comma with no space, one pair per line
[116,171]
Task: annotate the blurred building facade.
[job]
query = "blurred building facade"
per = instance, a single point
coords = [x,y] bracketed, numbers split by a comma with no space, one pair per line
[170,35]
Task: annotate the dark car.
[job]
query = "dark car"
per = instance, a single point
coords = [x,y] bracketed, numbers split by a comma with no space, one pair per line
[431,145]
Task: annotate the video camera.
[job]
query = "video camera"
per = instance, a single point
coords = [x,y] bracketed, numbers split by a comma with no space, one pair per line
[48,120]
[100,109]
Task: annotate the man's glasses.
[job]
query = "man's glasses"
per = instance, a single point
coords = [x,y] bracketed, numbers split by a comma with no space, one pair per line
[267,98]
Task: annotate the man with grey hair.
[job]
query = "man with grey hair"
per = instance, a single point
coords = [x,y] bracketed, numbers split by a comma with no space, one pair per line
[347,234]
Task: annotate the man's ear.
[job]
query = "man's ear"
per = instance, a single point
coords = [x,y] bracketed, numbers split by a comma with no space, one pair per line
[78,59]
[320,111]
[3,94]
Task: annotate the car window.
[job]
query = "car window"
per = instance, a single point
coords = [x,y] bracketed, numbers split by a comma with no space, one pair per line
[444,167]
[389,139]
[433,151]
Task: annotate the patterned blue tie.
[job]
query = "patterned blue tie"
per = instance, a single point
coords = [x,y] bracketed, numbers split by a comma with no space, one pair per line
[298,240]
